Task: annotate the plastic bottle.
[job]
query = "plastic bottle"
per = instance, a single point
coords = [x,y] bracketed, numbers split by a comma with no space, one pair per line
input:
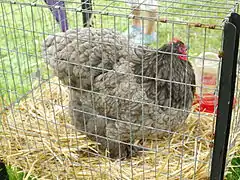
[206,70]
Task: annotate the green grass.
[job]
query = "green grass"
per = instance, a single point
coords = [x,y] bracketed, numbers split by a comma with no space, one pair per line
[14,173]
[234,170]
[21,35]
[20,52]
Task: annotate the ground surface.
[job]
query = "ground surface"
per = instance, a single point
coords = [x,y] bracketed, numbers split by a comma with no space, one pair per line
[21,34]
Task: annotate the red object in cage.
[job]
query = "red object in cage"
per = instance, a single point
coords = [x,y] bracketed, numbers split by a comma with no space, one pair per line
[208,102]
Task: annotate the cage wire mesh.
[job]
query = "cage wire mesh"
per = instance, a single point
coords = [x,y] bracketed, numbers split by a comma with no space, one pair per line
[116,88]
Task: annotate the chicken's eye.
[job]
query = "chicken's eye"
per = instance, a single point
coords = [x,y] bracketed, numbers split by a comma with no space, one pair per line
[182,49]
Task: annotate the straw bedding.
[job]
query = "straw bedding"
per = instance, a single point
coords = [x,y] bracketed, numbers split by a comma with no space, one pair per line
[37,136]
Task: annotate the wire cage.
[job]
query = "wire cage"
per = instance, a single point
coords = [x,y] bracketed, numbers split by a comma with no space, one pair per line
[81,99]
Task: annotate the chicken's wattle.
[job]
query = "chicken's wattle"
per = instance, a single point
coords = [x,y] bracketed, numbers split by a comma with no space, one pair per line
[184,58]
[183,50]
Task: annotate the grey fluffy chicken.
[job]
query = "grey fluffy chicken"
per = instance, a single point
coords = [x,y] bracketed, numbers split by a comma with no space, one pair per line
[120,92]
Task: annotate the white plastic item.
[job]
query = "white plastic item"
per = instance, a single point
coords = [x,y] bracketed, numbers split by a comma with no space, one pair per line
[206,70]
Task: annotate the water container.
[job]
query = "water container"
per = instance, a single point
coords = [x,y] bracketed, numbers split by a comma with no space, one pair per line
[206,70]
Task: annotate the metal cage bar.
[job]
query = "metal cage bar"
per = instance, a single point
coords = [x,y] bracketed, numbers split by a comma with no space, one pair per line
[226,94]
[199,27]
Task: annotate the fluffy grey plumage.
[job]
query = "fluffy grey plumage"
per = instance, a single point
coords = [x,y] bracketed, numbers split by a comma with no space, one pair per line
[119,91]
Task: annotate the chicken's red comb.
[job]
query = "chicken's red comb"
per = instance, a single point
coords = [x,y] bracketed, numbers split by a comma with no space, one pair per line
[175,40]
